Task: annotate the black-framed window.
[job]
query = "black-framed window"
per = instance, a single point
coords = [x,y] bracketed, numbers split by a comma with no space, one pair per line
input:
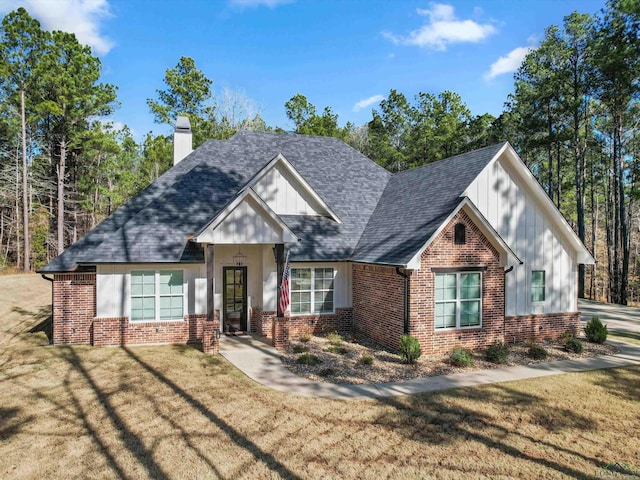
[460,234]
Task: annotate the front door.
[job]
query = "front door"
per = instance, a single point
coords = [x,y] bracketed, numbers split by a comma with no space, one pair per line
[235,299]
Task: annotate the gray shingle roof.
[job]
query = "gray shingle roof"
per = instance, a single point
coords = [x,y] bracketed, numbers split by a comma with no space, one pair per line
[156,224]
[415,203]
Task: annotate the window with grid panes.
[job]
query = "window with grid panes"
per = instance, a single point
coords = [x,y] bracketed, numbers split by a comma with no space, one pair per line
[157,295]
[312,290]
[458,301]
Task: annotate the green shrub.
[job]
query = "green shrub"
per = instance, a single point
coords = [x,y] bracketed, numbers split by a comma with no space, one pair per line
[566,335]
[596,331]
[337,349]
[308,359]
[297,348]
[305,337]
[537,352]
[573,345]
[366,359]
[335,339]
[461,357]
[497,352]
[327,372]
[410,349]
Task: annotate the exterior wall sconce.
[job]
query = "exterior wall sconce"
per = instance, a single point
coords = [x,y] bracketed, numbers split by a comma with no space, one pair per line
[216,332]
[239,259]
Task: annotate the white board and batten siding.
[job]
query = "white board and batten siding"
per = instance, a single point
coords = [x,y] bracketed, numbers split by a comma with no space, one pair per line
[113,288]
[285,195]
[504,197]
[247,223]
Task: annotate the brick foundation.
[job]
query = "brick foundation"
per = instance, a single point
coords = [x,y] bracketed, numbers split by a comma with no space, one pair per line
[74,306]
[316,324]
[541,327]
[280,332]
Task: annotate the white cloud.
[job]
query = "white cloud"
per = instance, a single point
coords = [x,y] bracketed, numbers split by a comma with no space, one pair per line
[82,17]
[442,29]
[258,3]
[508,63]
[367,102]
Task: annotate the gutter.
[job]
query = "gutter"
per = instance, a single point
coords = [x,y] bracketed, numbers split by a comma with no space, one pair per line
[46,278]
[403,273]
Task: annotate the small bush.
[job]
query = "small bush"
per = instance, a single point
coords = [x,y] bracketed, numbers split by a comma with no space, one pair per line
[537,352]
[327,372]
[366,359]
[335,339]
[297,348]
[573,345]
[461,357]
[308,359]
[305,337]
[337,350]
[566,335]
[497,352]
[596,331]
[410,349]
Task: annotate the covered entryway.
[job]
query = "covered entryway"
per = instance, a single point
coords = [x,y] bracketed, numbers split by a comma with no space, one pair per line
[234,299]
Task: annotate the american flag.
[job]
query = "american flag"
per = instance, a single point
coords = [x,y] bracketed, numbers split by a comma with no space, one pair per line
[284,286]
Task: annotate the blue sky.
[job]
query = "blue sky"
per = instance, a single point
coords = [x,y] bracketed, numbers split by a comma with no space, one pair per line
[344,54]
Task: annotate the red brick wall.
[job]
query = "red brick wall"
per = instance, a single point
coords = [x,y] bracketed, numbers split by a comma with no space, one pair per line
[120,331]
[378,304]
[74,306]
[443,252]
[340,321]
[539,327]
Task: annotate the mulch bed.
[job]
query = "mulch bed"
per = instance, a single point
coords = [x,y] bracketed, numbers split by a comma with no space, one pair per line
[343,363]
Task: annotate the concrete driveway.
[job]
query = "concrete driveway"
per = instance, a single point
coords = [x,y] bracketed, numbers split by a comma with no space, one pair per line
[616,317]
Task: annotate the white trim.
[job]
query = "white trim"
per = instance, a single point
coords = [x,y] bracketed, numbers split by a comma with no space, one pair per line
[157,295]
[582,255]
[485,228]
[205,235]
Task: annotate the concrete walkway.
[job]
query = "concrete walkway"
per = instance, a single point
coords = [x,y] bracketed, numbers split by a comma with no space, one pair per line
[260,361]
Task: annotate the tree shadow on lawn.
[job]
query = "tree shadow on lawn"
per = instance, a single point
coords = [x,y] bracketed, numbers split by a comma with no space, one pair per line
[236,437]
[622,382]
[439,418]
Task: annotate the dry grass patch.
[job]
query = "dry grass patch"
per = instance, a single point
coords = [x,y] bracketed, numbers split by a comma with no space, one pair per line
[342,364]
[172,412]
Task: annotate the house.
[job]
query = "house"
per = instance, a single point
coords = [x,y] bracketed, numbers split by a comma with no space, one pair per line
[463,251]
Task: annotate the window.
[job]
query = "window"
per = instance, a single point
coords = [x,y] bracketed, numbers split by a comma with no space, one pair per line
[538,286]
[460,233]
[157,295]
[458,300]
[312,290]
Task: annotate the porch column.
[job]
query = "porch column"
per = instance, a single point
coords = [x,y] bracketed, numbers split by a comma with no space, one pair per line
[279,251]
[210,291]
[210,340]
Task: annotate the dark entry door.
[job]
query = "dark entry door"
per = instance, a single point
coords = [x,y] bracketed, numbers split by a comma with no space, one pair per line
[235,299]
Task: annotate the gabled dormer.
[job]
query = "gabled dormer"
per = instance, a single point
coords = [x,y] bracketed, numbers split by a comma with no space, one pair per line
[286,192]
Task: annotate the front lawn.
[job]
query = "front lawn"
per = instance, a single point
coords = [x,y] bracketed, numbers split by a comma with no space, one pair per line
[173,412]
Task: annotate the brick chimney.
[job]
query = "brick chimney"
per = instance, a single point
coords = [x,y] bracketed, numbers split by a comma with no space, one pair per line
[182,139]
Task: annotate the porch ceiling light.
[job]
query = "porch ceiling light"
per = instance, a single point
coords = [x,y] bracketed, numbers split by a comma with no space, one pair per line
[239,259]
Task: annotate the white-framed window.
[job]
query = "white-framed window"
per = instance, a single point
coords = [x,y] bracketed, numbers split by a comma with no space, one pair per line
[538,286]
[312,290]
[157,295]
[458,302]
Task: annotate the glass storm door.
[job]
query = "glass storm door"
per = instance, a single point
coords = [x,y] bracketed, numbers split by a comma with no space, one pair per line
[235,299]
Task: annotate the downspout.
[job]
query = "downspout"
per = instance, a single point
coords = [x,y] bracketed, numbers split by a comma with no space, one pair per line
[403,273]
[504,315]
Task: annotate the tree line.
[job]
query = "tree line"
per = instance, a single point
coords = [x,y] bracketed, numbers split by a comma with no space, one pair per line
[572,117]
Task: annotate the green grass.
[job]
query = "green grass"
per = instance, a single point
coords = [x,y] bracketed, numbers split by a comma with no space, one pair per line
[172,412]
